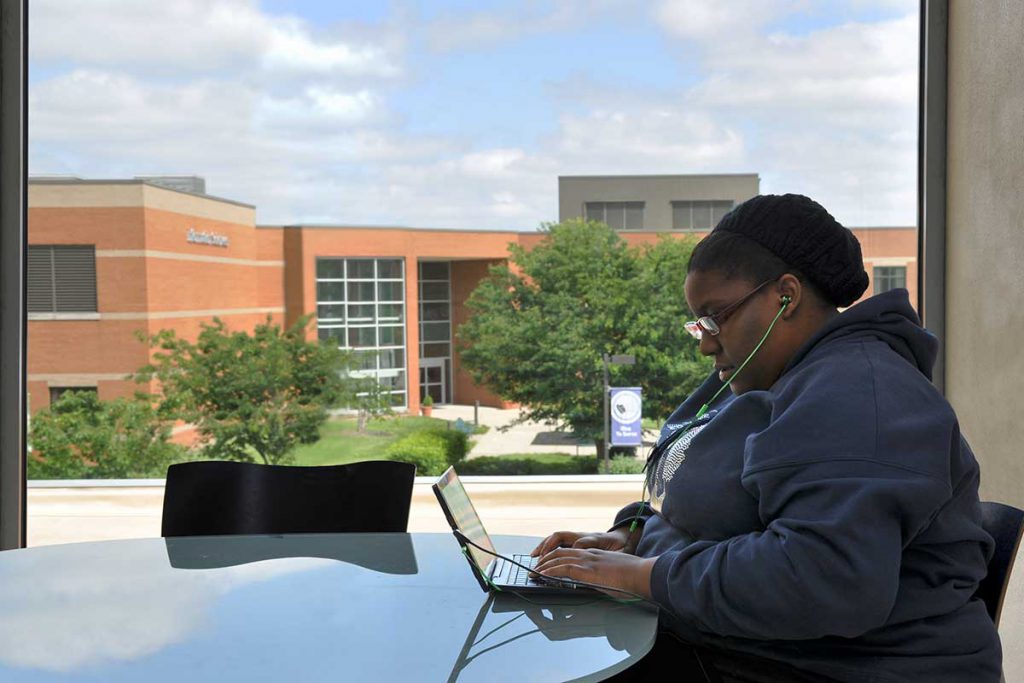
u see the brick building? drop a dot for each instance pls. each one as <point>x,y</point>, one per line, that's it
<point>110,259</point>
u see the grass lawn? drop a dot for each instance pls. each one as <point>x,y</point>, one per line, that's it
<point>340,443</point>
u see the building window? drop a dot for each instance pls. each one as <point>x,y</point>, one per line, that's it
<point>618,215</point>
<point>360,305</point>
<point>57,392</point>
<point>699,215</point>
<point>890,277</point>
<point>435,331</point>
<point>61,278</point>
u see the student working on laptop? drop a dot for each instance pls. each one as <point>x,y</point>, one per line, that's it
<point>811,511</point>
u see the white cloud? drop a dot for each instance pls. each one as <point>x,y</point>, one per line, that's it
<point>454,32</point>
<point>192,36</point>
<point>300,121</point>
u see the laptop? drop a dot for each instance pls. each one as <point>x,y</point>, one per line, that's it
<point>488,569</point>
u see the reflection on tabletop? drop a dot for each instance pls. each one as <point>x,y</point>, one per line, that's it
<point>504,619</point>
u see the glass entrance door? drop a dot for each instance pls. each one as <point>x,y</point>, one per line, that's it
<point>433,379</point>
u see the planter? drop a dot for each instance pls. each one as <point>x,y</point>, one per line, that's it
<point>425,411</point>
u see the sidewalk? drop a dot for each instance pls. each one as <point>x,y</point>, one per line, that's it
<point>515,439</point>
<point>529,506</point>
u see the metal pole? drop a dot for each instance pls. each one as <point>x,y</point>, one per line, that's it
<point>476,413</point>
<point>604,438</point>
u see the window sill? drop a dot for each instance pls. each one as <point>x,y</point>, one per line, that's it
<point>63,316</point>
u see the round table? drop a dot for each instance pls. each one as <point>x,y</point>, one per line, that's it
<point>306,607</point>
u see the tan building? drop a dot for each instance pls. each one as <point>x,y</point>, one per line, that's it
<point>109,260</point>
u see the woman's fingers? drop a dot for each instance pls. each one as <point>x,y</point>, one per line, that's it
<point>555,540</point>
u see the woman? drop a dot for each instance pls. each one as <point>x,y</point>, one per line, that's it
<point>819,518</point>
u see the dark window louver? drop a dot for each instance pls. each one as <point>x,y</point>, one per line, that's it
<point>62,279</point>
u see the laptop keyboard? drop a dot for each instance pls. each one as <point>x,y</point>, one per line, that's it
<point>519,576</point>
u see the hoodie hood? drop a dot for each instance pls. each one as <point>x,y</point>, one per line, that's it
<point>888,317</point>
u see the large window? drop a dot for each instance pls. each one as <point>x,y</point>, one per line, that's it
<point>889,277</point>
<point>435,331</point>
<point>618,215</point>
<point>360,304</point>
<point>61,279</point>
<point>699,215</point>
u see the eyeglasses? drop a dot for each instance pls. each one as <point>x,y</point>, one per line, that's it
<point>712,324</point>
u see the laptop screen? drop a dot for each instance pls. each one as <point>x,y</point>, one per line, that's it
<point>466,519</point>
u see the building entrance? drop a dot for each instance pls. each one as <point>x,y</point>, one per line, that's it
<point>433,379</point>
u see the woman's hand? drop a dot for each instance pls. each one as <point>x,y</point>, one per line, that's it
<point>618,540</point>
<point>605,568</point>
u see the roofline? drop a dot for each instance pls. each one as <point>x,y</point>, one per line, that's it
<point>667,175</point>
<point>133,181</point>
<point>323,226</point>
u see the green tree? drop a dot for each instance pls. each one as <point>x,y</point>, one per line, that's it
<point>251,395</point>
<point>540,324</point>
<point>82,437</point>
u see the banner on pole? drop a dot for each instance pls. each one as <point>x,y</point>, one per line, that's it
<point>625,408</point>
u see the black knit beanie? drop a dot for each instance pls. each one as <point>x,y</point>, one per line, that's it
<point>802,233</point>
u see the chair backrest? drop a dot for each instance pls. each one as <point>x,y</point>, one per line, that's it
<point>220,498</point>
<point>1005,524</point>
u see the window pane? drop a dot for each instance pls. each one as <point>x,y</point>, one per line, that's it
<point>366,360</point>
<point>362,337</point>
<point>615,215</point>
<point>360,313</point>
<point>398,399</point>
<point>360,291</point>
<point>389,312</point>
<point>57,392</point>
<point>594,211</point>
<point>389,269</point>
<point>443,350</point>
<point>434,270</point>
<point>436,332</point>
<point>435,311</point>
<point>393,381</point>
<point>702,216</point>
<point>635,216</point>
<point>40,280</point>
<point>719,209</point>
<point>392,358</point>
<point>74,273</point>
<point>330,291</point>
<point>330,268</point>
<point>681,218</point>
<point>360,269</point>
<point>330,313</point>
<point>434,291</point>
<point>389,291</point>
<point>335,333</point>
<point>392,335</point>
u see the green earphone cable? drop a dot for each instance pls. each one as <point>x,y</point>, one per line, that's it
<point>704,408</point>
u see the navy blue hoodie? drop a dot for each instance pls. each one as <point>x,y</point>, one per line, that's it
<point>832,521</point>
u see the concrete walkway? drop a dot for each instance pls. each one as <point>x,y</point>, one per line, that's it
<point>503,438</point>
<point>529,506</point>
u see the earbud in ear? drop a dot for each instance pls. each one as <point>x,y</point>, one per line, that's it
<point>785,299</point>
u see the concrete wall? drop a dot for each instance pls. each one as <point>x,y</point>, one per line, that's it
<point>657,192</point>
<point>985,243</point>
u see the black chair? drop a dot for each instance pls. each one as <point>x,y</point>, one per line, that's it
<point>1005,524</point>
<point>208,498</point>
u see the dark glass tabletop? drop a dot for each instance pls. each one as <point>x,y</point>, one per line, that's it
<point>389,607</point>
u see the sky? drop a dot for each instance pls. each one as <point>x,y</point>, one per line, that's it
<point>462,114</point>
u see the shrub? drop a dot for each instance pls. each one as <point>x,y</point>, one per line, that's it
<point>456,444</point>
<point>431,450</point>
<point>505,466</point>
<point>625,466</point>
<point>426,450</point>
